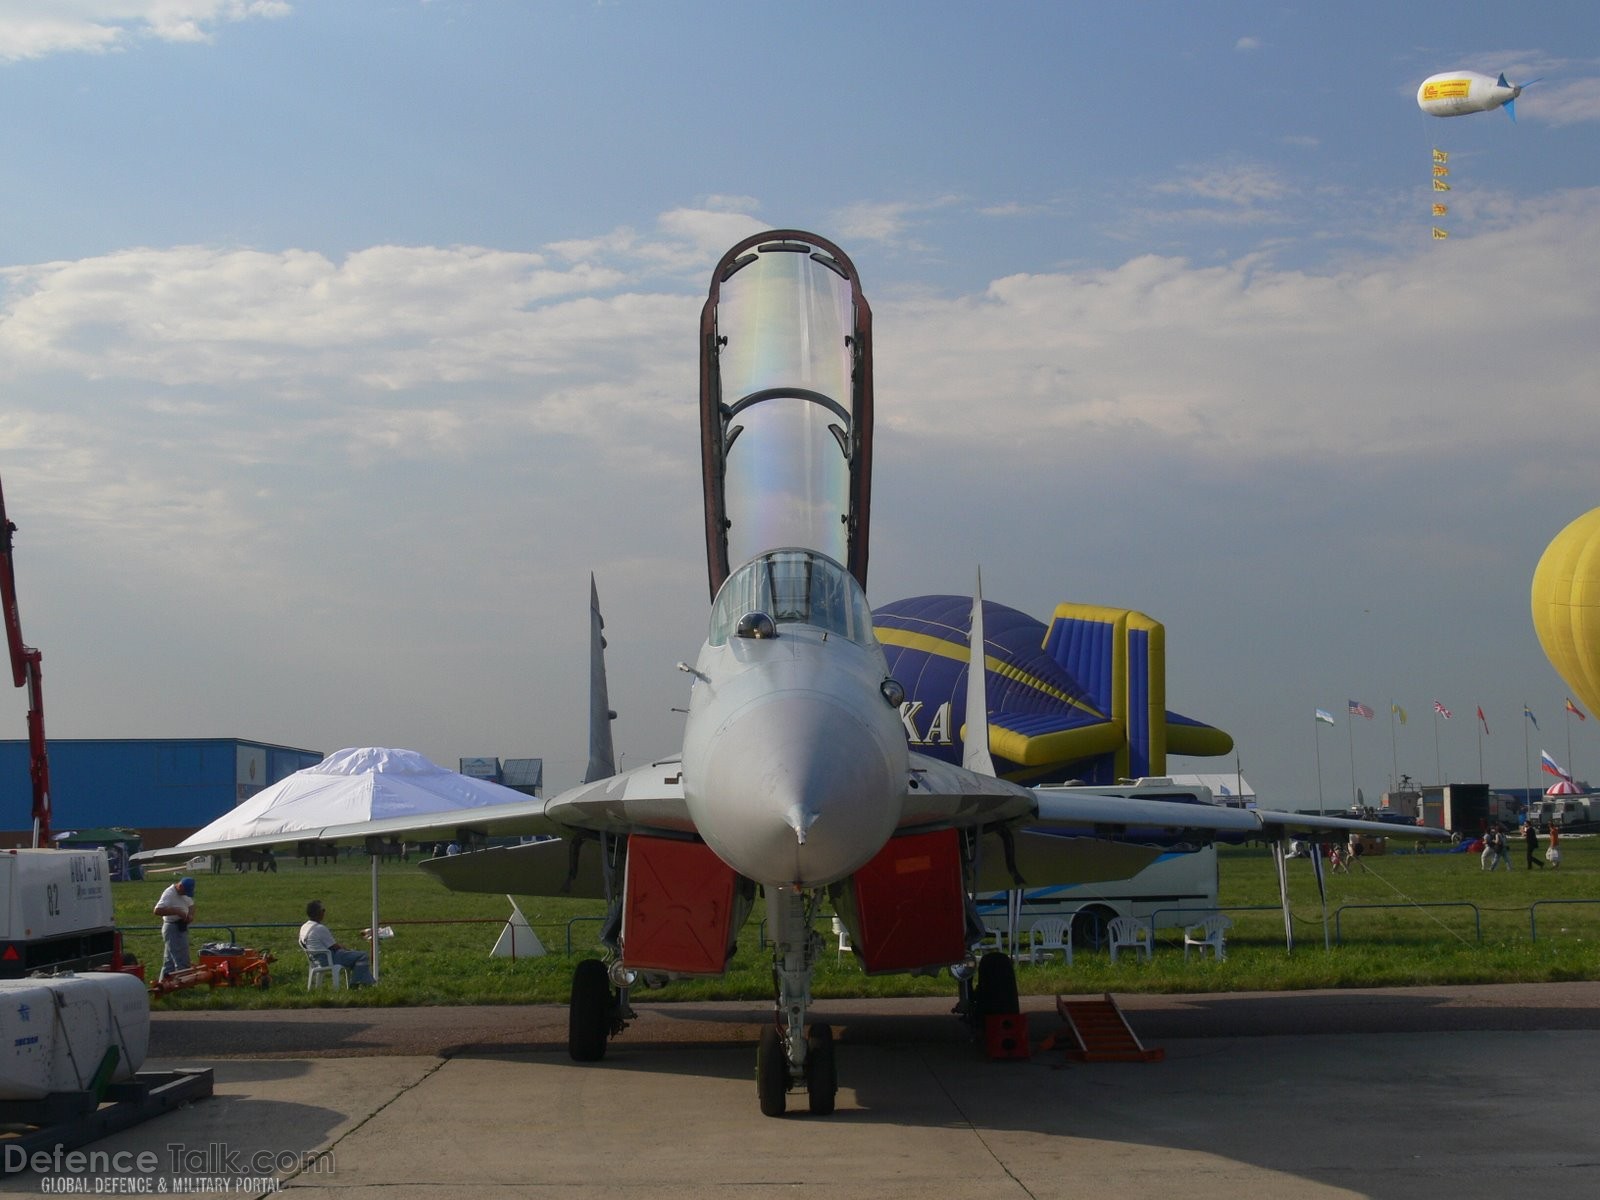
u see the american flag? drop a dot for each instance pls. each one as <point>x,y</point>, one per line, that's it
<point>1358,709</point>
<point>1442,710</point>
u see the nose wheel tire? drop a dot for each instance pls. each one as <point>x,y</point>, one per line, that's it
<point>772,1072</point>
<point>822,1079</point>
<point>589,1011</point>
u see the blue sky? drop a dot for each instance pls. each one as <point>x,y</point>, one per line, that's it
<point>340,342</point>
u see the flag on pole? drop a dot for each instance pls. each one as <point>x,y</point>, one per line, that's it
<point>1440,185</point>
<point>1324,716</point>
<point>1442,710</point>
<point>1575,710</point>
<point>1358,709</point>
<point>1483,719</point>
<point>1528,712</point>
<point>1440,210</point>
<point>1441,171</point>
<point>1439,235</point>
<point>1399,712</point>
<point>1551,767</point>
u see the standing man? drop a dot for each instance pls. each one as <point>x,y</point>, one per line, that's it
<point>318,939</point>
<point>1531,836</point>
<point>176,910</point>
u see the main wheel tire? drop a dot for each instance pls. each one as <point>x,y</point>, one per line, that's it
<point>1090,925</point>
<point>822,1078</point>
<point>589,1011</point>
<point>997,985</point>
<point>772,1072</point>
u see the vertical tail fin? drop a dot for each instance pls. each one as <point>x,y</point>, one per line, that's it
<point>975,738</point>
<point>602,760</point>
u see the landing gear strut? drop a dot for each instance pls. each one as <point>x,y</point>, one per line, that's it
<point>789,1056</point>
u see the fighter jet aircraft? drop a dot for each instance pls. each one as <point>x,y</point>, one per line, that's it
<point>795,779</point>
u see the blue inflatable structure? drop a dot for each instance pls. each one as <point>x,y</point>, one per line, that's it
<point>1083,698</point>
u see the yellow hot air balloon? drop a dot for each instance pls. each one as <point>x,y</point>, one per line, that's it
<point>1566,605</point>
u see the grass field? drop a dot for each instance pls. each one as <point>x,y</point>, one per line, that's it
<point>1481,932</point>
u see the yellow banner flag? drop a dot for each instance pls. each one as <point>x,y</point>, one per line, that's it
<point>1440,185</point>
<point>1439,156</point>
<point>1440,210</point>
<point>1440,171</point>
<point>1439,235</point>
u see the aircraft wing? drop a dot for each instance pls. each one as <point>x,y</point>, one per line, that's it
<point>518,818</point>
<point>637,800</point>
<point>1275,825</point>
<point>557,867</point>
<point>1122,815</point>
<point>940,793</point>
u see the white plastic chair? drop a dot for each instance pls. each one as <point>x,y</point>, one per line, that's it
<point>843,935</point>
<point>1049,934</point>
<point>323,967</point>
<point>1208,934</point>
<point>1128,933</point>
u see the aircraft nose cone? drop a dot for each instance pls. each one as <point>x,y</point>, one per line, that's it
<point>797,790</point>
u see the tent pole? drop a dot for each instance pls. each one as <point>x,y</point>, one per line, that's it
<point>1280,860</point>
<point>375,939</point>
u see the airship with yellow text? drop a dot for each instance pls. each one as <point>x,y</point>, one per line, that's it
<point>1457,93</point>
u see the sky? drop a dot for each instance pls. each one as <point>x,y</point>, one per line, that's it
<point>341,342</point>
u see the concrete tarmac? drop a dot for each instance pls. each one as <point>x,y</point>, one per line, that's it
<point>1394,1093</point>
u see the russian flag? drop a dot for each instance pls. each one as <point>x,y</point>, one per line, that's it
<point>1550,767</point>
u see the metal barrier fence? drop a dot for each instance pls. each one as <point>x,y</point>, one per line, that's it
<point>1190,915</point>
<point>1533,915</point>
<point>233,935</point>
<point>1477,914</point>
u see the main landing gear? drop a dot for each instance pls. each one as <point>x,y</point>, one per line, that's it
<point>992,993</point>
<point>596,1013</point>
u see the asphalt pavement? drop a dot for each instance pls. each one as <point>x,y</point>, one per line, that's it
<point>1392,1093</point>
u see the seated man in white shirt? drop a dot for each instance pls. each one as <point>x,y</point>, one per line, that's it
<point>317,937</point>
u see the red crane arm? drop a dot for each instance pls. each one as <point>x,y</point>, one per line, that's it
<point>25,672</point>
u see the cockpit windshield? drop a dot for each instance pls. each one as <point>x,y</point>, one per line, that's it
<point>793,586</point>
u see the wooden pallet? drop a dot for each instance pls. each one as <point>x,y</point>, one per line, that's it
<point>67,1120</point>
<point>1097,1031</point>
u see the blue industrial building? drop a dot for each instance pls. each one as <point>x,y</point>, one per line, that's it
<point>165,788</point>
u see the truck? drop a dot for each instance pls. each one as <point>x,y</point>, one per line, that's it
<point>55,912</point>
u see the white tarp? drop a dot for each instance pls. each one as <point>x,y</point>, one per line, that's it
<point>517,939</point>
<point>369,783</point>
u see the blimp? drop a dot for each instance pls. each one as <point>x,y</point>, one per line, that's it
<point>1457,93</point>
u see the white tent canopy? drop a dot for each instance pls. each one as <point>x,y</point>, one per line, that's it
<point>348,796</point>
<point>350,787</point>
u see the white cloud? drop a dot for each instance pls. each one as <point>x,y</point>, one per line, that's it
<point>313,458</point>
<point>888,221</point>
<point>39,28</point>
<point>1419,355</point>
<point>1242,184</point>
<point>1564,102</point>
<point>1248,43</point>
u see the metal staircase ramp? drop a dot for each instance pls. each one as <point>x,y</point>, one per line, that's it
<point>1101,1032</point>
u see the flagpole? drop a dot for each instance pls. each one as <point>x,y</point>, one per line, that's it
<point>1527,778</point>
<point>1438,768</point>
<point>1394,750</point>
<point>1480,747</point>
<point>1352,727</point>
<point>1318,724</point>
<point>1571,766</point>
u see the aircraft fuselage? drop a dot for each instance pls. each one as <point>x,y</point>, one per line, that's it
<point>794,759</point>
